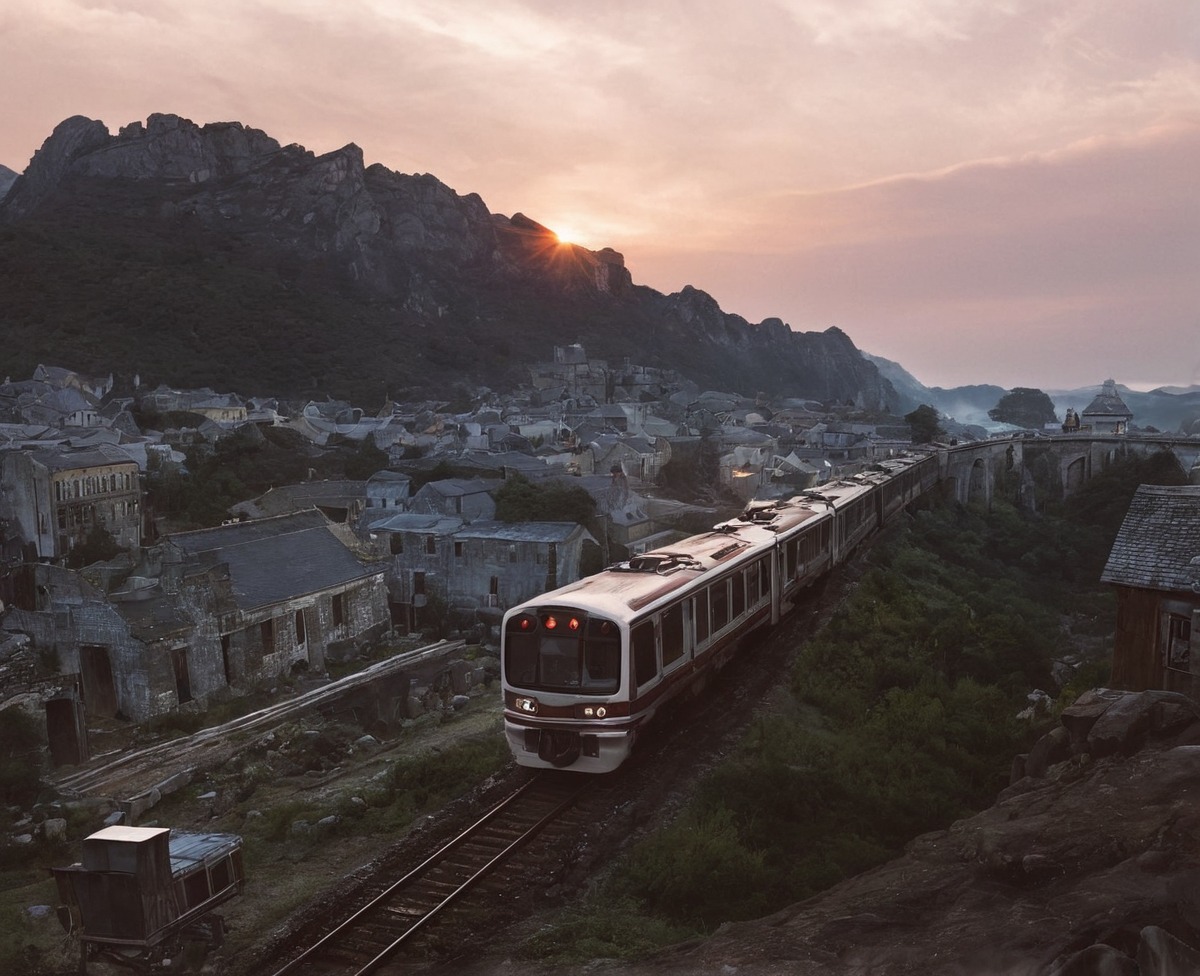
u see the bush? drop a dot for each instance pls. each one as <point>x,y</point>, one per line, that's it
<point>20,757</point>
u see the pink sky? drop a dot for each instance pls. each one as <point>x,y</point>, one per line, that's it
<point>987,191</point>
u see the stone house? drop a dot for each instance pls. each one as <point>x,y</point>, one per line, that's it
<point>476,564</point>
<point>221,408</point>
<point>1107,413</point>
<point>638,456</point>
<point>1154,565</point>
<point>469,498</point>
<point>388,489</point>
<point>207,613</point>
<point>55,407</point>
<point>97,386</point>
<point>340,500</point>
<point>56,496</point>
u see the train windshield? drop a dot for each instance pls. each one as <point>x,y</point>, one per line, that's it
<point>563,650</point>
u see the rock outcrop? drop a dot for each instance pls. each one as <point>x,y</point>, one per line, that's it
<point>7,178</point>
<point>396,254</point>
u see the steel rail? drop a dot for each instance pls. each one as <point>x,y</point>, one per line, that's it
<point>349,924</point>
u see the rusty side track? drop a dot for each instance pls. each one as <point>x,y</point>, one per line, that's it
<point>402,908</point>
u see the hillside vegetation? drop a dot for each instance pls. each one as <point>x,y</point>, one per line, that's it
<point>902,717</point>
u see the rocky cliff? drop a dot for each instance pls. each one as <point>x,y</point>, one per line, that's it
<point>173,241</point>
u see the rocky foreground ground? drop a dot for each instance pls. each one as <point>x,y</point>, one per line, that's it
<point>1087,865</point>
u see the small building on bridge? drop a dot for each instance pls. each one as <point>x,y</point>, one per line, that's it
<point>1155,566</point>
<point>1107,414</point>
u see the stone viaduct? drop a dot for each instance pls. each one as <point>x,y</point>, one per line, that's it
<point>970,472</point>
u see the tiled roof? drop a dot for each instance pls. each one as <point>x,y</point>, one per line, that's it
<point>93,457</point>
<point>1158,540</point>
<point>1108,403</point>
<point>276,559</point>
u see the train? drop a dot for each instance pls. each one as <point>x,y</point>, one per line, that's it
<point>585,668</point>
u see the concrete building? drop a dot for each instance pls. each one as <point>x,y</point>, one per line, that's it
<point>1155,566</point>
<point>57,496</point>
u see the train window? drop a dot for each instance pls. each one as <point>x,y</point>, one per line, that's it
<point>701,615</point>
<point>739,594</point>
<point>559,660</point>
<point>645,660</point>
<point>718,598</point>
<point>521,651</point>
<point>793,553</point>
<point>602,657</point>
<point>752,575</point>
<point>672,634</point>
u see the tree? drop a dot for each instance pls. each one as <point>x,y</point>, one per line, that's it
<point>925,423</point>
<point>98,546</point>
<point>1024,407</point>
<point>520,500</point>
<point>366,460</point>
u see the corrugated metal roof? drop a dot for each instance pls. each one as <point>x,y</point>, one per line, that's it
<point>1158,540</point>
<point>189,849</point>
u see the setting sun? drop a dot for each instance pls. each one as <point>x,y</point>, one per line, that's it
<point>566,235</point>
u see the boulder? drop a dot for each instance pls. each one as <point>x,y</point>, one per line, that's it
<point>1125,723</point>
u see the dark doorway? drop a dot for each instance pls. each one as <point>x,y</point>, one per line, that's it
<point>183,681</point>
<point>95,670</point>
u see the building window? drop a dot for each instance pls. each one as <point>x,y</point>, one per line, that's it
<point>397,542</point>
<point>512,554</point>
<point>339,609</point>
<point>418,584</point>
<point>267,634</point>
<point>458,549</point>
<point>1177,654</point>
<point>430,545</point>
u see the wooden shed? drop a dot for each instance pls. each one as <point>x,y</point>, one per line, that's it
<point>1155,566</point>
<point>140,888</point>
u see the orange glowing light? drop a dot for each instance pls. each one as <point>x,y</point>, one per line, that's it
<point>566,236</point>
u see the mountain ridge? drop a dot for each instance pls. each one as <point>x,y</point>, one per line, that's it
<point>322,275</point>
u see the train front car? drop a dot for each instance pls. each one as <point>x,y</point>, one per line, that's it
<point>585,668</point>
<point>566,693</point>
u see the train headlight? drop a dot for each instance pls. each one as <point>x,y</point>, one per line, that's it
<point>527,705</point>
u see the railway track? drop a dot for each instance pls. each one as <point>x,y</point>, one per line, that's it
<point>401,909</point>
